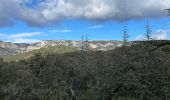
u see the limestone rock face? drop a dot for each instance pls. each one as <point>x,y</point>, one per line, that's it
<point>8,45</point>
<point>95,45</point>
<point>99,45</point>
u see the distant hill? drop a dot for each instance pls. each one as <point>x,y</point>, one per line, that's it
<point>13,55</point>
<point>44,51</point>
<point>17,48</point>
<point>7,51</point>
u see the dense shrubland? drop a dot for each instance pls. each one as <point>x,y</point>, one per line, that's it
<point>137,72</point>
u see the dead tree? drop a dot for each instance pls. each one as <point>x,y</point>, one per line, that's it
<point>83,69</point>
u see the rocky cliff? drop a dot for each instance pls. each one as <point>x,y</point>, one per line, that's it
<point>99,45</point>
<point>95,45</point>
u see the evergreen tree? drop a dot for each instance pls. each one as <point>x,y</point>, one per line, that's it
<point>148,31</point>
<point>85,43</point>
<point>125,35</point>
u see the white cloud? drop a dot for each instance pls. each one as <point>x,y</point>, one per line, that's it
<point>160,34</point>
<point>61,31</point>
<point>96,26</point>
<point>23,40</point>
<point>139,37</point>
<point>47,12</point>
<point>2,35</point>
<point>21,37</point>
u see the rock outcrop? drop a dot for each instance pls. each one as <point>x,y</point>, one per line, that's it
<point>95,45</point>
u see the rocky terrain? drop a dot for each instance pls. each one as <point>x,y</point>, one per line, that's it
<point>13,48</point>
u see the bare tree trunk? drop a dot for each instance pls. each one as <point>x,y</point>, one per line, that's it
<point>73,94</point>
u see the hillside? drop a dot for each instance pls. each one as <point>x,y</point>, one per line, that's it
<point>136,72</point>
<point>12,55</point>
<point>6,51</point>
<point>44,51</point>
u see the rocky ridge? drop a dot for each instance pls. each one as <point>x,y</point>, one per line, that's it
<point>94,45</point>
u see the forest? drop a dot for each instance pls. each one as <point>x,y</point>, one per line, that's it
<point>137,72</point>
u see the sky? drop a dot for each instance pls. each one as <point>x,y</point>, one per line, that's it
<point>30,21</point>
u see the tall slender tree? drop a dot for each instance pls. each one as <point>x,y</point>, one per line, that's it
<point>84,47</point>
<point>85,43</point>
<point>125,35</point>
<point>148,31</point>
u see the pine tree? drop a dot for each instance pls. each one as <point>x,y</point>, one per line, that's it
<point>125,35</point>
<point>85,43</point>
<point>148,31</point>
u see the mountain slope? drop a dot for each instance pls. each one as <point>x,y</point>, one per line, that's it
<point>136,72</point>
<point>7,51</point>
<point>44,51</point>
<point>162,45</point>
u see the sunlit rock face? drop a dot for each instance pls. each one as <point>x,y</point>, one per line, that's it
<point>98,45</point>
<point>93,45</point>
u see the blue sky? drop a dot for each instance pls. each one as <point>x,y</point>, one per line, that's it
<point>99,24</point>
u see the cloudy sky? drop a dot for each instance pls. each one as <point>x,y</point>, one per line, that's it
<point>30,21</point>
